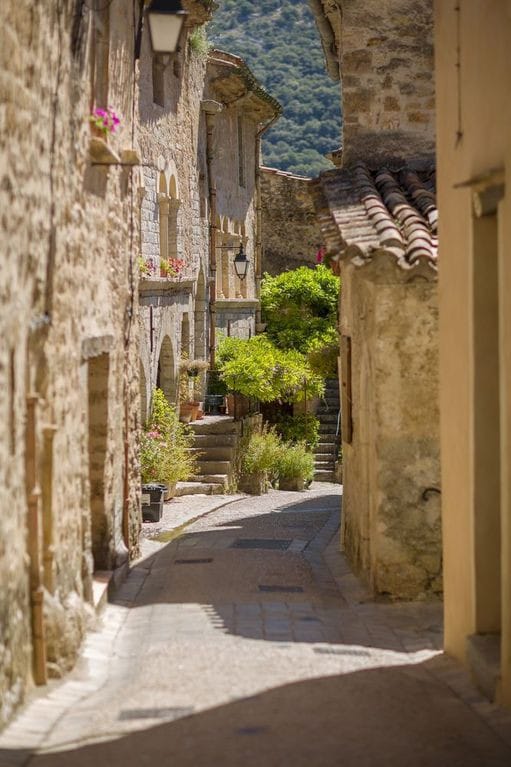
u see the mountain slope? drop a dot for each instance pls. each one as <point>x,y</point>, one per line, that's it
<point>280,43</point>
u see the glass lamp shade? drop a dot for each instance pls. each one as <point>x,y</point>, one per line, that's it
<point>241,264</point>
<point>166,19</point>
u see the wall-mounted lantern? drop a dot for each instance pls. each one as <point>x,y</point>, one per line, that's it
<point>241,263</point>
<point>166,19</point>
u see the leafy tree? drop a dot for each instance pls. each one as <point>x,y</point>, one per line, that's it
<point>259,369</point>
<point>300,307</point>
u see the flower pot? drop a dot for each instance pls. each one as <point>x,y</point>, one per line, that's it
<point>189,408</point>
<point>296,484</point>
<point>152,501</point>
<point>253,484</point>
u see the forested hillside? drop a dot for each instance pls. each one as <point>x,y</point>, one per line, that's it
<point>279,41</point>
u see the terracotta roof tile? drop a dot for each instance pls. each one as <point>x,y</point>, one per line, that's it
<point>383,210</point>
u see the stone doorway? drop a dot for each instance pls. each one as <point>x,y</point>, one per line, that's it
<point>98,414</point>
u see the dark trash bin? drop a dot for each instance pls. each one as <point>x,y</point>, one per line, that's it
<point>152,501</point>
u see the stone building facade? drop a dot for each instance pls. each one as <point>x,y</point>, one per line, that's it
<point>69,361</point>
<point>379,219</point>
<point>384,53</point>
<point>388,312</point>
<point>173,211</point>
<point>199,203</point>
<point>290,230</point>
<point>473,70</point>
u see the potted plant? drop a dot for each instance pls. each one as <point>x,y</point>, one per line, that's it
<point>165,456</point>
<point>189,370</point>
<point>259,461</point>
<point>295,467</point>
<point>103,122</point>
<point>144,267</point>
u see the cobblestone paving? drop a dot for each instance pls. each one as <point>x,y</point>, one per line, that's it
<point>248,641</point>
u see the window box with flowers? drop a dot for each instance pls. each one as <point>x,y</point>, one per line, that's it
<point>170,268</point>
<point>103,123</point>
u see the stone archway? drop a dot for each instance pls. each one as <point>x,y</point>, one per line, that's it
<point>166,375</point>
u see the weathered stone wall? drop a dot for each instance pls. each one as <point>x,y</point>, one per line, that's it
<point>387,70</point>
<point>172,142</point>
<point>290,232</point>
<point>236,318</point>
<point>392,526</point>
<point>68,300</point>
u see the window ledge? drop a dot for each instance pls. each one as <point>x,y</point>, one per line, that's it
<point>101,154</point>
<point>150,284</point>
<point>237,303</point>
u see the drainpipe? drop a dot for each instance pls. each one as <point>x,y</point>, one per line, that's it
<point>34,544</point>
<point>258,251</point>
<point>211,109</point>
<point>47,502</point>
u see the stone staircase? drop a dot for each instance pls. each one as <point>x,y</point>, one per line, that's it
<point>326,451</point>
<point>215,444</point>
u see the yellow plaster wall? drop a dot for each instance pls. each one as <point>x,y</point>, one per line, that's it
<point>473,137</point>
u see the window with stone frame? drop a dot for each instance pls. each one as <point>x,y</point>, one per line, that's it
<point>100,54</point>
<point>158,78</point>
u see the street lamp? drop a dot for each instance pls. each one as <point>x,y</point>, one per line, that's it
<point>241,263</point>
<point>166,19</point>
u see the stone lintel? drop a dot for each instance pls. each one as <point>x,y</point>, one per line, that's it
<point>96,345</point>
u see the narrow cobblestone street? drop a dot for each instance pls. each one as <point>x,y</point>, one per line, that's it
<point>246,640</point>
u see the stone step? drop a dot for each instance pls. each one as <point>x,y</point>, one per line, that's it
<point>324,465</point>
<point>218,453</point>
<point>327,409</point>
<point>208,468</point>
<point>328,450</point>
<point>324,457</point>
<point>215,425</point>
<point>327,429</point>
<point>324,476</point>
<point>330,417</point>
<point>215,440</point>
<point>199,488</point>
<point>212,479</point>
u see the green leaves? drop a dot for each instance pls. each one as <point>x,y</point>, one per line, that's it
<point>165,444</point>
<point>259,369</point>
<point>300,309</point>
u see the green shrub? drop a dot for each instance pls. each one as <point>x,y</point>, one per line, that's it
<point>300,307</point>
<point>295,462</point>
<point>263,454</point>
<point>259,369</point>
<point>198,42</point>
<point>299,428</point>
<point>165,454</point>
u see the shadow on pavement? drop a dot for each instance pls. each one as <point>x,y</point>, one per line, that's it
<point>263,577</point>
<point>399,716</point>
